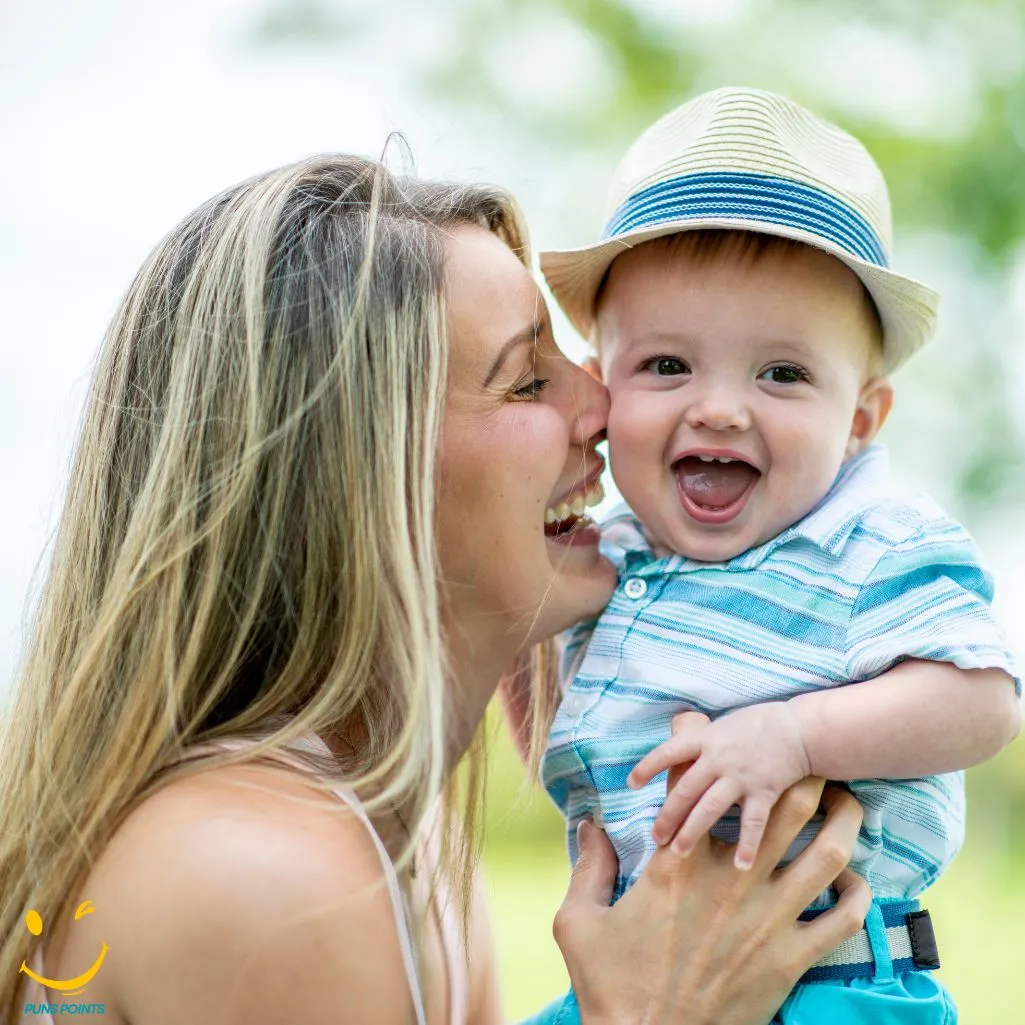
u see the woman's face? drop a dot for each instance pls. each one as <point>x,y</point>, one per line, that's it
<point>519,434</point>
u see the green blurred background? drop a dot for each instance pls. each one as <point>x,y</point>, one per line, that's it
<point>122,116</point>
<point>936,90</point>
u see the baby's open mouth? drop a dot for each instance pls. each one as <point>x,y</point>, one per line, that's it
<point>714,482</point>
<point>569,515</point>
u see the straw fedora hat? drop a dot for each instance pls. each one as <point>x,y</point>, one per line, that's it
<point>751,160</point>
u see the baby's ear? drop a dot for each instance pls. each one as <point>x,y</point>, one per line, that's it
<point>592,367</point>
<point>874,405</point>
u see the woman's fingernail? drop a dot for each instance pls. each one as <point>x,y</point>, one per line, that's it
<point>584,828</point>
<point>680,850</point>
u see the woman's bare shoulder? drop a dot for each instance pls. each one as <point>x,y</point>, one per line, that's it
<point>245,894</point>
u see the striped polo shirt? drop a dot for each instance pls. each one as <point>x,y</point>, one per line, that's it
<point>861,583</point>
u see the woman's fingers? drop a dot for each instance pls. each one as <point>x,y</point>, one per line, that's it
<point>827,931</point>
<point>594,874</point>
<point>794,808</point>
<point>822,861</point>
<point>714,803</point>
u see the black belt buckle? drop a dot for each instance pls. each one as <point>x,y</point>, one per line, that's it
<point>924,951</point>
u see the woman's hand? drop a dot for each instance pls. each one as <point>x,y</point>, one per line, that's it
<point>698,942</point>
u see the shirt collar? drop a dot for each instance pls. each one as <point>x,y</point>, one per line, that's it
<point>860,482</point>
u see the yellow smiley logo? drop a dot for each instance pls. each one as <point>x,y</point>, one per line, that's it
<point>34,924</point>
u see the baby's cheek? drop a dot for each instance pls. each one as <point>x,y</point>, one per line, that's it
<point>632,429</point>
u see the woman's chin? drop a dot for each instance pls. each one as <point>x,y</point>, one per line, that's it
<point>583,584</point>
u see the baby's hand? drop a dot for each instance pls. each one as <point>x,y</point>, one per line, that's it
<point>748,757</point>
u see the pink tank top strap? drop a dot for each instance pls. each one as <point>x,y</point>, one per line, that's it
<point>311,742</point>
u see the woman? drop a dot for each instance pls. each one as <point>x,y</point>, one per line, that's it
<point>303,539</point>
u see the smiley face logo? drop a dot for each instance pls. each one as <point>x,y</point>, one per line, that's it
<point>34,924</point>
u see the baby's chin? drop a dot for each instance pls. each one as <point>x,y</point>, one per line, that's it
<point>712,552</point>
<point>702,544</point>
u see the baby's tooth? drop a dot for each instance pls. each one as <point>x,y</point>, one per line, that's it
<point>707,459</point>
<point>578,506</point>
<point>550,516</point>
<point>562,511</point>
<point>725,459</point>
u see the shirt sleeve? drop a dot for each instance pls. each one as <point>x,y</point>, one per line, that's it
<point>927,597</point>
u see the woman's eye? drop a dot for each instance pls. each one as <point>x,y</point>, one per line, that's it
<point>785,375</point>
<point>667,366</point>
<point>532,390</point>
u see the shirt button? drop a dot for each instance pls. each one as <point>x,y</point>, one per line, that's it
<point>635,588</point>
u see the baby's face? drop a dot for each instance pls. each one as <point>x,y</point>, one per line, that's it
<point>738,389</point>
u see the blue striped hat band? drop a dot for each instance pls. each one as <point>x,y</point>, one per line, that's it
<point>750,197</point>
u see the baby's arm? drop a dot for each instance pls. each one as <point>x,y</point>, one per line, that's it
<point>920,718</point>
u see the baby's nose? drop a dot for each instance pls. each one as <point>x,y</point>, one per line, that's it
<point>718,409</point>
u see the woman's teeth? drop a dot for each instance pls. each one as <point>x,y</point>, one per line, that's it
<point>564,510</point>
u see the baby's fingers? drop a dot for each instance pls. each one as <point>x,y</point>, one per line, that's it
<point>682,747</point>
<point>753,818</point>
<point>716,801</point>
<point>681,800</point>
<point>675,751</point>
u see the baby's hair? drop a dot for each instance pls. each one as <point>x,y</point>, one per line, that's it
<point>708,245</point>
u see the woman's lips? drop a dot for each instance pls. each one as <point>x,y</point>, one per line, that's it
<point>564,516</point>
<point>584,531</point>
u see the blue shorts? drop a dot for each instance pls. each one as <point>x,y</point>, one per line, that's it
<point>910,998</point>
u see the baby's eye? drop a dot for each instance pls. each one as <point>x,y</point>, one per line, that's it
<point>784,374</point>
<point>666,366</point>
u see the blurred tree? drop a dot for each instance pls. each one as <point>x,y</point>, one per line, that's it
<point>935,89</point>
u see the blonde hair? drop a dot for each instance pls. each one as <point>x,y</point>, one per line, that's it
<point>247,544</point>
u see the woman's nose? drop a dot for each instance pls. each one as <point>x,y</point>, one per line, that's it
<point>717,408</point>
<point>590,405</point>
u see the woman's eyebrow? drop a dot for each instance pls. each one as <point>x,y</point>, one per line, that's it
<point>528,334</point>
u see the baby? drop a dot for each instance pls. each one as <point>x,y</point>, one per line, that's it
<point>744,320</point>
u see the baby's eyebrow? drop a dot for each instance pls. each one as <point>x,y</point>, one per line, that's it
<point>661,338</point>
<point>790,346</point>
